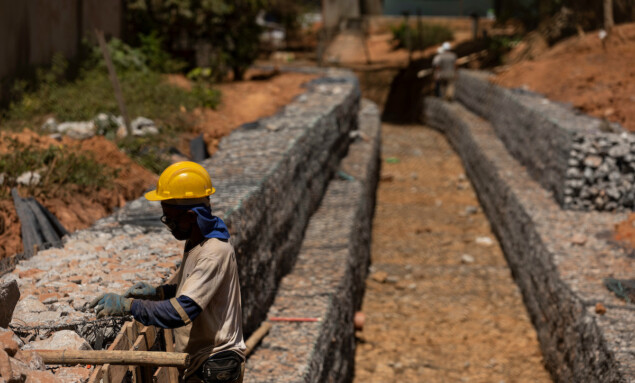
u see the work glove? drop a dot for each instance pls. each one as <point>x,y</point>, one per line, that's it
<point>111,304</point>
<point>142,290</point>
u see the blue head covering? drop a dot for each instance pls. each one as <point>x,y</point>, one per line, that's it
<point>210,225</point>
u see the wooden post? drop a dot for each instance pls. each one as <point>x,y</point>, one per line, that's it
<point>255,338</point>
<point>115,357</point>
<point>173,372</point>
<point>608,16</point>
<point>114,80</point>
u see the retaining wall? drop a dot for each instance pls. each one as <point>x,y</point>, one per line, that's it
<point>558,257</point>
<point>270,176</point>
<point>588,163</point>
<point>328,279</point>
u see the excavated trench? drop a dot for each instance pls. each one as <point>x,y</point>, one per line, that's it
<point>297,192</point>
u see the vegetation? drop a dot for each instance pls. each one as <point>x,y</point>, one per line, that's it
<point>227,29</point>
<point>406,36</point>
<point>144,89</point>
<point>58,167</point>
<point>585,14</point>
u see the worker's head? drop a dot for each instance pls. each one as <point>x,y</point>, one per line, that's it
<point>184,189</point>
<point>446,46</point>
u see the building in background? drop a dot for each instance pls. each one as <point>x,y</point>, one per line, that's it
<point>32,31</point>
<point>439,7</point>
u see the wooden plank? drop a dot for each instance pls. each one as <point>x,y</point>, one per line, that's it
<point>115,374</point>
<point>144,342</point>
<point>132,333</point>
<point>107,376</point>
<point>161,376</point>
<point>97,375</point>
<point>146,339</point>
<point>173,372</point>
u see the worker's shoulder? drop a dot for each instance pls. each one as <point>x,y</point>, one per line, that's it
<point>215,247</point>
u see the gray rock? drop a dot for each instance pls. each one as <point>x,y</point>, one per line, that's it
<point>619,150</point>
<point>9,297</point>
<point>29,178</point>
<point>60,340</point>
<point>593,161</point>
<point>78,130</point>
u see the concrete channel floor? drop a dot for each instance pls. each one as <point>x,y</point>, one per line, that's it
<point>440,303</point>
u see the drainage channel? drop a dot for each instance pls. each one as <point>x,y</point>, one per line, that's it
<point>441,304</point>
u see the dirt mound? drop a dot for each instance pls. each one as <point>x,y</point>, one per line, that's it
<point>242,102</point>
<point>597,78</point>
<point>75,208</point>
<point>625,231</point>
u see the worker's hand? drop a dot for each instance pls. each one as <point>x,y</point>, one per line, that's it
<point>141,290</point>
<point>111,305</point>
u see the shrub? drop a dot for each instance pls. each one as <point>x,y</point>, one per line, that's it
<point>431,34</point>
<point>57,167</point>
<point>229,26</point>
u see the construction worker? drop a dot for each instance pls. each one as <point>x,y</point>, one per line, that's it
<point>203,306</point>
<point>444,65</point>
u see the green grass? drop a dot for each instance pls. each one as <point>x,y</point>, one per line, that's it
<point>431,34</point>
<point>145,94</point>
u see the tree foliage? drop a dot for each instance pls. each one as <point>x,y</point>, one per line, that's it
<point>587,14</point>
<point>228,26</point>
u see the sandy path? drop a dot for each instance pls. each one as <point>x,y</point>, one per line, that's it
<point>440,306</point>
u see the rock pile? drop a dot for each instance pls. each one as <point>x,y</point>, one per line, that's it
<point>587,163</point>
<point>601,172</point>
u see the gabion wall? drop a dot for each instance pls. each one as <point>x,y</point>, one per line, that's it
<point>586,162</point>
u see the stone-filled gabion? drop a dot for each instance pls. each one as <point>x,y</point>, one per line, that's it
<point>328,279</point>
<point>270,177</point>
<point>558,257</point>
<point>586,162</point>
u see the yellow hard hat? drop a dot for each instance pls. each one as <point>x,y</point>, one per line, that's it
<point>182,180</point>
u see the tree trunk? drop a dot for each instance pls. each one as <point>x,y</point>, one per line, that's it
<point>372,7</point>
<point>608,15</point>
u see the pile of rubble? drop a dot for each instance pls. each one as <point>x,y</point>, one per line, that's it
<point>103,124</point>
<point>18,362</point>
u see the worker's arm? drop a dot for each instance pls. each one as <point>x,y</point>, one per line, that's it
<point>142,290</point>
<point>169,313</point>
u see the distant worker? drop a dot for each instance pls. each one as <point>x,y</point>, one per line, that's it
<point>203,306</point>
<point>444,66</point>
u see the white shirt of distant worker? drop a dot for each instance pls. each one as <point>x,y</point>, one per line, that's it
<point>203,306</point>
<point>444,64</point>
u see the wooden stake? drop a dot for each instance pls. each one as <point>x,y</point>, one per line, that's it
<point>114,80</point>
<point>255,338</point>
<point>129,358</point>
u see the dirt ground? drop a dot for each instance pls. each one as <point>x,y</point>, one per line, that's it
<point>440,304</point>
<point>598,79</point>
<point>242,102</point>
